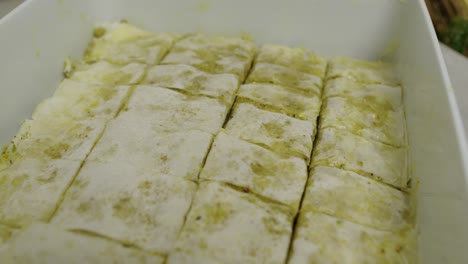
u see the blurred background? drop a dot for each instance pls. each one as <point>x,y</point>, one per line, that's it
<point>450,19</point>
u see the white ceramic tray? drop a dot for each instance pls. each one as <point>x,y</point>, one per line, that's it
<point>37,36</point>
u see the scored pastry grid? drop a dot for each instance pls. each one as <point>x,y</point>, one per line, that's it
<point>380,214</point>
<point>134,110</point>
<point>363,110</point>
<point>253,102</point>
<point>225,160</point>
<point>129,108</point>
<point>108,75</point>
<point>45,243</point>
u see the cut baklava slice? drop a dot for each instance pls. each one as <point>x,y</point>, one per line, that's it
<point>105,73</point>
<point>362,71</point>
<point>31,189</point>
<point>298,59</point>
<point>278,132</point>
<point>128,203</point>
<point>282,75</point>
<point>68,124</point>
<point>230,226</point>
<point>194,81</point>
<point>344,150</point>
<point>78,101</point>
<point>121,43</point>
<point>48,139</point>
<point>388,96</point>
<point>365,118</point>
<point>131,140</point>
<point>350,196</point>
<point>280,99</point>
<point>43,243</point>
<point>213,54</point>
<point>255,169</point>
<point>321,238</point>
<point>174,111</point>
<point>237,45</point>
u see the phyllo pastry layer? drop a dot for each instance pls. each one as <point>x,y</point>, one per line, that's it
<point>321,238</point>
<point>350,196</point>
<point>388,96</point>
<point>362,71</point>
<point>190,79</point>
<point>298,59</point>
<point>174,111</point>
<point>365,118</point>
<point>282,75</point>
<point>42,243</point>
<point>255,169</point>
<point>277,132</point>
<point>230,226</point>
<point>127,203</point>
<point>104,73</point>
<point>213,54</point>
<point>344,150</point>
<point>280,99</point>
<point>122,43</point>
<point>133,141</point>
<point>31,189</point>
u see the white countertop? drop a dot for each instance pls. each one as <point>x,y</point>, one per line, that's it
<point>457,66</point>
